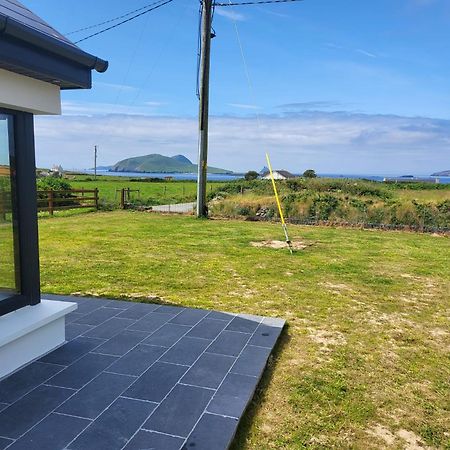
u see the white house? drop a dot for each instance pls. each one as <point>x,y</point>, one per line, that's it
<point>36,63</point>
<point>278,175</point>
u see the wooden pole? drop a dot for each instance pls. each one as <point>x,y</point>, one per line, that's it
<point>205,56</point>
<point>95,162</point>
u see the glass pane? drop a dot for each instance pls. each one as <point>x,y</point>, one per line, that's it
<point>8,284</point>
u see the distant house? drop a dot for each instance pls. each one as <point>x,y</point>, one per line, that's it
<point>278,175</point>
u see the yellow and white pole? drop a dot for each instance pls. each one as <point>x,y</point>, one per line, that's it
<point>277,198</point>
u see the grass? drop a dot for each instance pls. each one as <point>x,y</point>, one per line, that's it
<point>156,193</point>
<point>364,360</point>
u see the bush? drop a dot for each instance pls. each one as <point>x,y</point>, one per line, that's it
<point>251,175</point>
<point>53,184</point>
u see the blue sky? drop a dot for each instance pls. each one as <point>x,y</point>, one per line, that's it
<point>342,87</point>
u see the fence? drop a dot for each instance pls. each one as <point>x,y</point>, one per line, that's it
<point>49,200</point>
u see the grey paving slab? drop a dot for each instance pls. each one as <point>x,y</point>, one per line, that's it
<point>23,381</point>
<point>73,330</point>
<point>189,317</point>
<point>138,360</point>
<point>265,336</point>
<point>53,433</point>
<point>82,371</point>
<point>229,343</point>
<point>156,382</point>
<point>90,401</point>
<point>209,370</point>
<point>121,343</point>
<point>180,411</point>
<point>186,351</point>
<point>110,328</point>
<point>207,329</point>
<point>138,376</point>
<point>5,442</point>
<point>115,427</point>
<point>167,335</point>
<point>252,361</point>
<point>98,316</point>
<point>73,350</point>
<point>233,395</point>
<point>244,325</point>
<point>151,440</point>
<point>212,433</point>
<point>22,415</point>
<point>137,311</point>
<point>151,322</point>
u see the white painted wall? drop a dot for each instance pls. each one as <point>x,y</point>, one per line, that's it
<point>276,176</point>
<point>27,94</point>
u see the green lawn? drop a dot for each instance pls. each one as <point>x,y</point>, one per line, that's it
<point>364,361</point>
<point>156,193</point>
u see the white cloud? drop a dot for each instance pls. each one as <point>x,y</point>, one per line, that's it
<point>328,142</point>
<point>243,106</point>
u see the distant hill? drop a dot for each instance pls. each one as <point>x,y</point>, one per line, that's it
<point>163,164</point>
<point>444,173</point>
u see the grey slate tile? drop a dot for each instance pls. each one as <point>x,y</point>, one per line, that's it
<point>243,325</point>
<point>18,384</point>
<point>138,360</point>
<point>30,409</point>
<point>156,383</point>
<point>72,317</point>
<point>98,316</point>
<point>151,322</point>
<point>93,398</point>
<point>3,406</point>
<point>265,336</point>
<point>207,329</point>
<point>167,335</point>
<point>229,343</point>
<point>71,351</point>
<point>252,361</point>
<point>209,370</point>
<point>218,315</point>
<point>82,371</point>
<point>121,343</point>
<point>53,433</point>
<point>87,306</point>
<point>169,309</point>
<point>73,330</point>
<point>5,442</point>
<point>179,412</point>
<point>120,304</point>
<point>110,328</point>
<point>232,397</point>
<point>150,440</point>
<point>137,311</point>
<point>115,426</point>
<point>189,317</point>
<point>186,351</point>
<point>212,433</point>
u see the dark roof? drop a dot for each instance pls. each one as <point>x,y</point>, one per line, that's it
<point>30,46</point>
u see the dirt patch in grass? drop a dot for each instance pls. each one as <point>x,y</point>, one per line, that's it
<point>326,339</point>
<point>296,245</point>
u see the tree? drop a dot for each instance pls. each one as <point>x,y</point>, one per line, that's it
<point>251,175</point>
<point>310,173</point>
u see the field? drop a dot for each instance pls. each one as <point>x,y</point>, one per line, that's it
<point>364,360</point>
<point>152,193</point>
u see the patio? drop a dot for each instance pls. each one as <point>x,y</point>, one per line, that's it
<point>138,376</point>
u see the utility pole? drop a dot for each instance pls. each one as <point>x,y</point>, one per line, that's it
<point>207,6</point>
<point>95,162</point>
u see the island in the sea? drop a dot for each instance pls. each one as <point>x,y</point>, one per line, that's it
<point>156,163</point>
<point>444,173</point>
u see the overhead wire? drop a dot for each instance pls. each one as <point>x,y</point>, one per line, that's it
<point>124,21</point>
<point>90,27</point>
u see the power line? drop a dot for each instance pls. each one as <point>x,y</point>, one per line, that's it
<point>124,21</point>
<point>257,2</point>
<point>112,20</point>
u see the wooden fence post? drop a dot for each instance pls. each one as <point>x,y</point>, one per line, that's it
<point>122,198</point>
<point>96,198</point>
<point>50,202</point>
